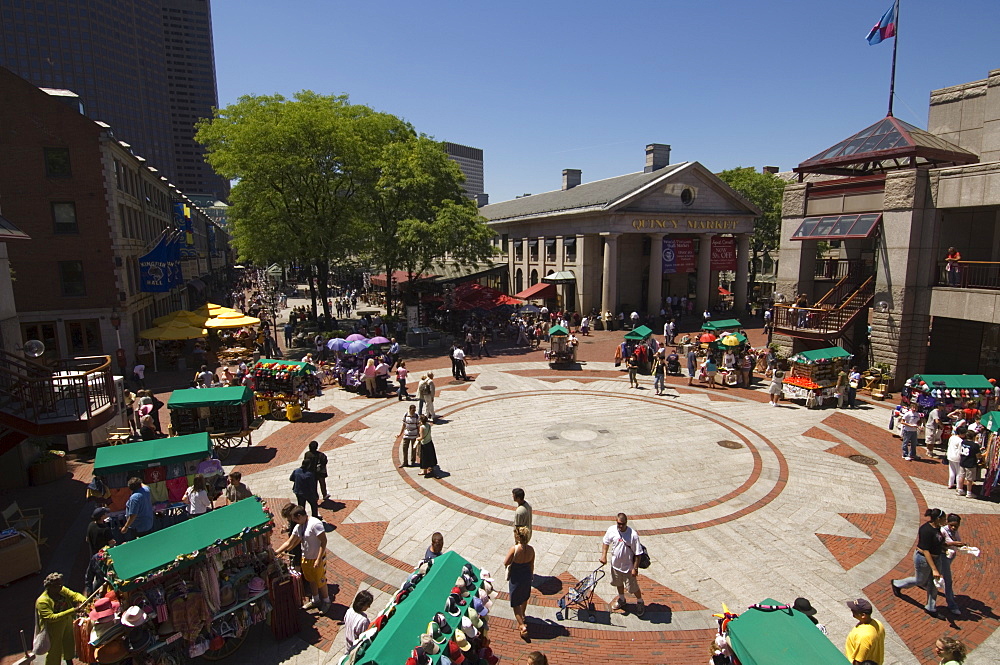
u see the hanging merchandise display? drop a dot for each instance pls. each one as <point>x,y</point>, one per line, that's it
<point>193,589</point>
<point>227,414</point>
<point>439,612</point>
<point>991,444</point>
<point>283,388</point>
<point>971,394</point>
<point>814,375</point>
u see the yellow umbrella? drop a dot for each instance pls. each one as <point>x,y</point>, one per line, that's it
<point>730,340</point>
<point>211,309</point>
<point>231,320</point>
<point>183,316</point>
<point>173,330</point>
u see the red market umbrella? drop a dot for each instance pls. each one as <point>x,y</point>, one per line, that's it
<point>707,337</point>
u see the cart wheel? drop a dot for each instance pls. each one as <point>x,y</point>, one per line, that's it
<point>228,649</point>
<point>278,409</point>
<point>221,450</point>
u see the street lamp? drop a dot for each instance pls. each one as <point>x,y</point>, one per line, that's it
<point>116,321</point>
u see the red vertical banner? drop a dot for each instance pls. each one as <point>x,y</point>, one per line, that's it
<point>723,253</point>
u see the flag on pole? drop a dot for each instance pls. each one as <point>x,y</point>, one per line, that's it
<point>885,28</point>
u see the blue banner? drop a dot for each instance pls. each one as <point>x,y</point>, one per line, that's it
<point>155,269</point>
<point>173,253</point>
<point>669,257</point>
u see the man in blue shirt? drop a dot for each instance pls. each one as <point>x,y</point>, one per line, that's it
<point>138,510</point>
<point>304,486</point>
<point>394,353</point>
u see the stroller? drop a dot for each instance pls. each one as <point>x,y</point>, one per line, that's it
<point>580,596</point>
<point>673,365</point>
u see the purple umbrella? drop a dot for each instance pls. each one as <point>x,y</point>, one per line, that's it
<point>356,337</point>
<point>357,346</point>
<point>337,344</point>
<point>379,340</point>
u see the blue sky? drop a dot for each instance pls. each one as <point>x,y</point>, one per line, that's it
<point>547,85</point>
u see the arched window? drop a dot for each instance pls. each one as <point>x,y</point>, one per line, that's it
<point>533,279</point>
<point>518,281</point>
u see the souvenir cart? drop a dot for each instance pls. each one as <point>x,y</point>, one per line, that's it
<point>560,351</point>
<point>283,388</point>
<point>193,589</point>
<point>227,414</point>
<point>770,633</point>
<point>440,610</point>
<point>164,465</point>
<point>991,444</point>
<point>730,341</point>
<point>636,338</point>
<point>717,328</point>
<point>813,375</point>
<point>948,392</point>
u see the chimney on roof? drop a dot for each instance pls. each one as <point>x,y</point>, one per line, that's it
<point>770,169</point>
<point>571,178</point>
<point>482,200</point>
<point>657,156</point>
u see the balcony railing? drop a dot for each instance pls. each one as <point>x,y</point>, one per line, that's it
<point>74,389</point>
<point>823,321</point>
<point>970,275</point>
<point>840,268</point>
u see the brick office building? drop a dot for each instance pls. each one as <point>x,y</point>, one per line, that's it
<point>92,208</point>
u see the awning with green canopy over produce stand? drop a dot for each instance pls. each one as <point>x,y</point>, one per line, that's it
<point>294,366</point>
<point>191,398</point>
<point>157,452</point>
<point>724,324</point>
<point>181,545</point>
<point>557,330</point>
<point>820,355</point>
<point>638,334</point>
<point>780,637</point>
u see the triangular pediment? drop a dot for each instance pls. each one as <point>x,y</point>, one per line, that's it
<point>691,190</point>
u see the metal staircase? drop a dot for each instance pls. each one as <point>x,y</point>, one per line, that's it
<point>833,314</point>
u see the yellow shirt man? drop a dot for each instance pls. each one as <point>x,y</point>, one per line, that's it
<point>866,641</point>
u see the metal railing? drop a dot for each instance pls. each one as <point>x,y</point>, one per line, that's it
<point>75,388</point>
<point>841,268</point>
<point>824,320</point>
<point>970,275</point>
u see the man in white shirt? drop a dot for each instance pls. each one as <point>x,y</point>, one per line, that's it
<point>933,430</point>
<point>311,534</point>
<point>139,372</point>
<point>355,619</point>
<point>625,551</point>
<point>459,356</point>
<point>909,422</point>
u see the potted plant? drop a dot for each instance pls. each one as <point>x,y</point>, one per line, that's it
<point>49,467</point>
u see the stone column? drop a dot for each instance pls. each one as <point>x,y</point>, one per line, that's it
<point>609,292</point>
<point>742,273</point>
<point>655,294</point>
<point>704,273</point>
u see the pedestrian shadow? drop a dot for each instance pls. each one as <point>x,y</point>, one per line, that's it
<point>317,416</point>
<point>544,629</point>
<point>657,613</point>
<point>547,585</point>
<point>974,609</point>
<point>252,455</point>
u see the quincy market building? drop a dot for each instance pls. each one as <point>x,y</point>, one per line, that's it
<point>628,242</point>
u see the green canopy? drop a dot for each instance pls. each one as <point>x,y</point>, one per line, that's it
<point>557,330</point>
<point>820,354</point>
<point>724,324</point>
<point>960,381</point>
<point>190,398</point>
<point>638,334</point>
<point>781,637</point>
<point>158,550</point>
<point>401,634</point>
<point>991,421</point>
<point>299,368</point>
<point>157,452</point>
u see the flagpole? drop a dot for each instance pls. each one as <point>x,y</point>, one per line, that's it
<point>892,75</point>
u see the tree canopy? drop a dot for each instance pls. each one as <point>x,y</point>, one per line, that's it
<point>765,190</point>
<point>320,179</point>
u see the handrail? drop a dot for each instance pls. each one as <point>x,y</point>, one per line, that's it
<point>838,268</point>
<point>84,387</point>
<point>839,286</point>
<point>970,275</point>
<point>821,320</point>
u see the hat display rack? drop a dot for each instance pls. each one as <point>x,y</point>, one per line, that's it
<point>439,616</point>
<point>991,443</point>
<point>217,591</point>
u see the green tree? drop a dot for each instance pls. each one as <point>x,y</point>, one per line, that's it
<point>417,213</point>
<point>764,190</point>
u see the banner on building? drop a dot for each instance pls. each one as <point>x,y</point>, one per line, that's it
<point>155,270</point>
<point>723,253</point>
<point>678,255</point>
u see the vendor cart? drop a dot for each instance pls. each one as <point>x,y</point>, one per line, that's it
<point>813,375</point>
<point>561,351</point>
<point>722,326</point>
<point>283,388</point>
<point>193,589</point>
<point>227,414</point>
<point>770,633</point>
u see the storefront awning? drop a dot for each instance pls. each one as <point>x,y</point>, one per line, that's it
<point>837,227</point>
<point>538,291</point>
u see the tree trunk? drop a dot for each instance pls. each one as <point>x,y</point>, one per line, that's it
<point>388,291</point>
<point>312,289</point>
<point>323,280</point>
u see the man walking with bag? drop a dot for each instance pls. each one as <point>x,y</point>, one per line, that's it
<point>625,554</point>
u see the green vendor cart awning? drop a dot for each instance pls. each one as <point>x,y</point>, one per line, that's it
<point>781,637</point>
<point>557,330</point>
<point>395,642</point>
<point>960,381</point>
<point>991,421</point>
<point>150,553</point>
<point>194,397</point>
<point>295,366</point>
<point>158,452</point>
<point>724,324</point>
<point>821,354</point>
<point>638,334</point>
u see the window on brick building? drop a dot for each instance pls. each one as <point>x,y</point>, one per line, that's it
<point>71,280</point>
<point>64,218</point>
<point>57,163</point>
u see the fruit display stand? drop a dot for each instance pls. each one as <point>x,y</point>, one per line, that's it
<point>216,569</point>
<point>397,631</point>
<point>227,414</point>
<point>814,374</point>
<point>283,387</point>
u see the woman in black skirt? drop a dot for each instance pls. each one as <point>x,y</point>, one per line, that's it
<point>520,563</point>
<point>428,457</point>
